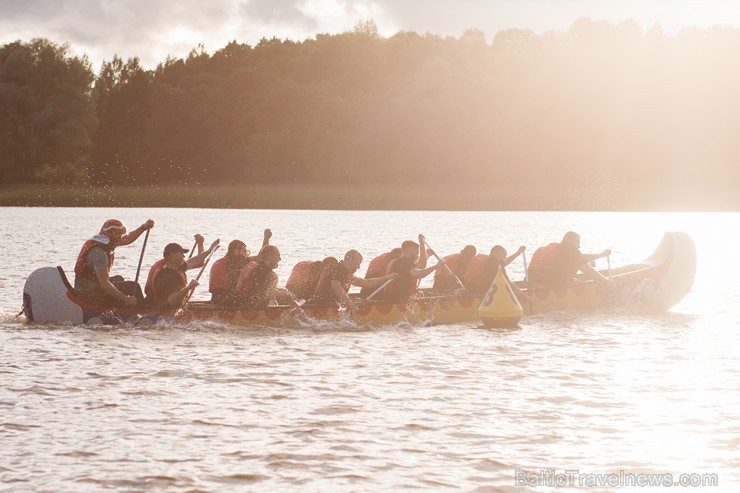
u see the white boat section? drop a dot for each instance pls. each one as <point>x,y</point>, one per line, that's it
<point>45,298</point>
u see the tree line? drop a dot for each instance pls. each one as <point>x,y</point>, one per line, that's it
<point>598,105</point>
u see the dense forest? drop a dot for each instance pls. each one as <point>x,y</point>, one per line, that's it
<point>601,106</point>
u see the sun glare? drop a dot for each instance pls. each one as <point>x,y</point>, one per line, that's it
<point>183,36</point>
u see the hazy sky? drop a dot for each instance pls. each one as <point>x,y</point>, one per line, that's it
<point>152,29</point>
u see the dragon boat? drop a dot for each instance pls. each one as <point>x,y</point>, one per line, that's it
<point>655,284</point>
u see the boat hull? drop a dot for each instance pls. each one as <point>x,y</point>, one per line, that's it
<point>656,284</point>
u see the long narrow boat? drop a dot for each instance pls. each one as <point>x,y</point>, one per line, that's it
<point>656,284</point>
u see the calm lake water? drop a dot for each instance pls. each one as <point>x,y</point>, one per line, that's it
<point>209,407</point>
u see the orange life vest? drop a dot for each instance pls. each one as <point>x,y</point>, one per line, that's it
<point>219,277</point>
<point>246,279</point>
<point>476,277</point>
<point>304,279</point>
<point>225,276</point>
<point>323,289</point>
<point>543,261</point>
<point>378,266</point>
<point>148,290</point>
<point>85,270</point>
<point>451,261</point>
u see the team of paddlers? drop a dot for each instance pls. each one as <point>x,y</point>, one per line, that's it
<point>240,280</point>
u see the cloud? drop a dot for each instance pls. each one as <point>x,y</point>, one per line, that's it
<point>277,12</point>
<point>150,29</point>
<point>153,29</point>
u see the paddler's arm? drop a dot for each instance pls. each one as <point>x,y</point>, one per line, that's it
<point>198,260</point>
<point>421,273</point>
<point>131,237</point>
<point>266,237</point>
<point>373,282</point>
<point>177,297</point>
<point>511,257</point>
<point>590,257</point>
<point>108,288</point>
<point>341,295</point>
<point>593,274</point>
<point>199,240</point>
<point>422,262</point>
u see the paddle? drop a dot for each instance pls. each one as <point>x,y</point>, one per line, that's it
<point>197,278</point>
<point>386,283</point>
<point>141,257</point>
<point>609,264</point>
<point>192,250</point>
<point>297,306</point>
<point>431,250</point>
<point>524,259</point>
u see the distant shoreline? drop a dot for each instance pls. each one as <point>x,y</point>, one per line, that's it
<point>367,197</point>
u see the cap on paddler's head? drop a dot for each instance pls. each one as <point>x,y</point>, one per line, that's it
<point>174,247</point>
<point>111,230</point>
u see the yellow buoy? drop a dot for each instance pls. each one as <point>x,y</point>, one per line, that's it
<point>499,307</point>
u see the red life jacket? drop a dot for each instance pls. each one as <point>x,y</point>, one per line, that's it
<point>378,266</point>
<point>150,277</point>
<point>304,279</point>
<point>85,270</point>
<point>246,279</point>
<point>323,289</point>
<point>219,277</point>
<point>159,297</point>
<point>479,276</point>
<point>256,286</point>
<point>543,261</point>
<point>225,274</point>
<point>451,261</point>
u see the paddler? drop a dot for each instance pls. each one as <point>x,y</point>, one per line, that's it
<point>170,286</point>
<point>378,267</point>
<point>225,271</point>
<point>558,263</point>
<point>92,270</point>
<point>482,269</point>
<point>444,280</point>
<point>257,286</point>
<point>335,281</point>
<point>148,287</point>
<point>411,268</point>
<point>305,276</point>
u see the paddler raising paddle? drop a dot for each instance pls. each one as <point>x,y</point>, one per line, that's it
<point>410,268</point>
<point>170,286</point>
<point>92,270</point>
<point>258,283</point>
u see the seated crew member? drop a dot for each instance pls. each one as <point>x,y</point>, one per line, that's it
<point>411,268</point>
<point>558,263</point>
<point>170,286</point>
<point>335,281</point>
<point>482,269</point>
<point>160,263</point>
<point>304,278</point>
<point>378,267</point>
<point>225,271</point>
<point>444,281</point>
<point>482,272</point>
<point>92,270</point>
<point>257,286</point>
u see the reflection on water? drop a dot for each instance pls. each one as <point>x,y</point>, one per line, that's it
<point>317,407</point>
